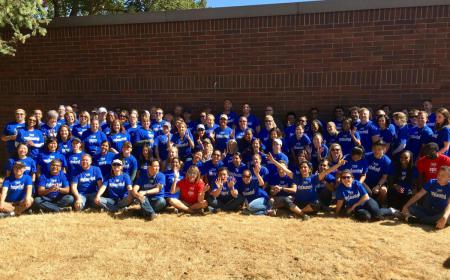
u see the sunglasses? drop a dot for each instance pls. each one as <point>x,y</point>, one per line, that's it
<point>346,177</point>
<point>247,176</point>
<point>57,165</point>
<point>117,164</point>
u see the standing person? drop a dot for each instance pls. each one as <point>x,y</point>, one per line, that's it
<point>50,128</point>
<point>319,150</point>
<point>428,107</point>
<point>232,117</point>
<point>348,137</point>
<point>163,144</point>
<point>93,139</point>
<point>269,124</point>
<point>252,121</point>
<point>332,133</point>
<point>64,138</point>
<point>289,128</point>
<point>278,155</point>
<point>429,164</point>
<point>130,164</point>
<point>132,125</point>
<point>17,189</point>
<point>401,134</point>
<point>38,114</point>
<point>12,129</point>
<point>191,191</point>
<point>31,137</point>
<point>419,135</point>
<point>118,136</point>
<point>22,156</point>
<point>223,133</point>
<point>387,131</point>
<point>435,210</point>
<point>119,188</point>
<point>83,125</point>
<point>402,181</point>
<point>74,159</point>
<point>49,153</point>
<point>104,159</point>
<point>441,136</point>
<point>210,126</point>
<point>143,136</point>
<point>351,197</point>
<point>84,186</point>
<point>183,141</point>
<point>379,165</point>
<point>52,188</point>
<point>339,116</point>
<point>149,191</point>
<point>70,120</point>
<point>223,194</point>
<point>157,124</point>
<point>61,112</point>
<point>368,132</point>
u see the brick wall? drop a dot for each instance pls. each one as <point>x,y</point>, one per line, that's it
<point>397,56</point>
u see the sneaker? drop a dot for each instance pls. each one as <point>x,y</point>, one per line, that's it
<point>272,212</point>
<point>151,217</point>
<point>175,211</point>
<point>305,217</point>
<point>66,209</point>
<point>7,215</point>
<point>246,212</point>
<point>271,202</point>
<point>395,213</point>
<point>412,220</point>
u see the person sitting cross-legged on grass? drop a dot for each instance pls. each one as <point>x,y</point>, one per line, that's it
<point>352,198</point>
<point>223,195</point>
<point>149,190</point>
<point>253,191</point>
<point>84,185</point>
<point>119,189</point>
<point>54,190</point>
<point>191,190</point>
<point>435,209</point>
<point>16,192</point>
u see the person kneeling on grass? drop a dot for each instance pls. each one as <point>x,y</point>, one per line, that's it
<point>54,190</point>
<point>191,190</point>
<point>352,197</point>
<point>435,209</point>
<point>149,190</point>
<point>253,191</point>
<point>84,185</point>
<point>224,196</point>
<point>119,189</point>
<point>16,192</point>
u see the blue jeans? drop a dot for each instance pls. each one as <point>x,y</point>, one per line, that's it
<point>370,209</point>
<point>232,205</point>
<point>151,205</point>
<point>258,206</point>
<point>426,213</point>
<point>53,205</point>
<point>86,200</point>
<point>113,205</point>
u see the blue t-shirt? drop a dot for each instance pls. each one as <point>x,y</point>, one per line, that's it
<point>331,139</point>
<point>366,132</point>
<point>251,191</point>
<point>87,180</point>
<point>12,128</point>
<point>79,129</point>
<point>157,126</point>
<point>239,133</point>
<point>299,144</point>
<point>440,137</point>
<point>116,140</point>
<point>74,164</point>
<point>45,158</point>
<point>401,137</point>
<point>92,141</point>
<point>345,139</point>
<point>148,182</point>
<point>439,195</point>
<point>48,131</point>
<point>117,186</point>
<point>350,195</point>
<point>307,189</point>
<point>387,135</point>
<point>210,170</point>
<point>358,168</point>
<point>182,143</point>
<point>50,181</point>
<point>232,118</point>
<point>263,172</point>
<point>17,188</point>
<point>30,165</point>
<point>170,178</point>
<point>132,131</point>
<point>161,143</point>
<point>376,168</point>
<point>143,134</point>
<point>252,122</point>
<point>104,163</point>
<point>36,136</point>
<point>431,121</point>
<point>189,163</point>
<point>236,172</point>
<point>225,194</point>
<point>417,138</point>
<point>223,135</point>
<point>284,182</point>
<point>65,147</point>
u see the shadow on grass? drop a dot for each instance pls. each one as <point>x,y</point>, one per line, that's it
<point>446,264</point>
<point>390,223</point>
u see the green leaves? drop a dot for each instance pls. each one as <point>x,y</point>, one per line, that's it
<point>19,20</point>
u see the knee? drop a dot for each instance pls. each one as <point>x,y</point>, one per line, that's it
<point>383,190</point>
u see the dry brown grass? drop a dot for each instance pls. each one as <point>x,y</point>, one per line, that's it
<point>222,246</point>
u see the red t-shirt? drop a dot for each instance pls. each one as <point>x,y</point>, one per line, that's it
<point>430,167</point>
<point>189,191</point>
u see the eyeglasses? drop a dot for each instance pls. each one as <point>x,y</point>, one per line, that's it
<point>246,176</point>
<point>31,120</point>
<point>116,164</point>
<point>346,177</point>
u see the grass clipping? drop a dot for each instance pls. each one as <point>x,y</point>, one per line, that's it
<point>222,246</point>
